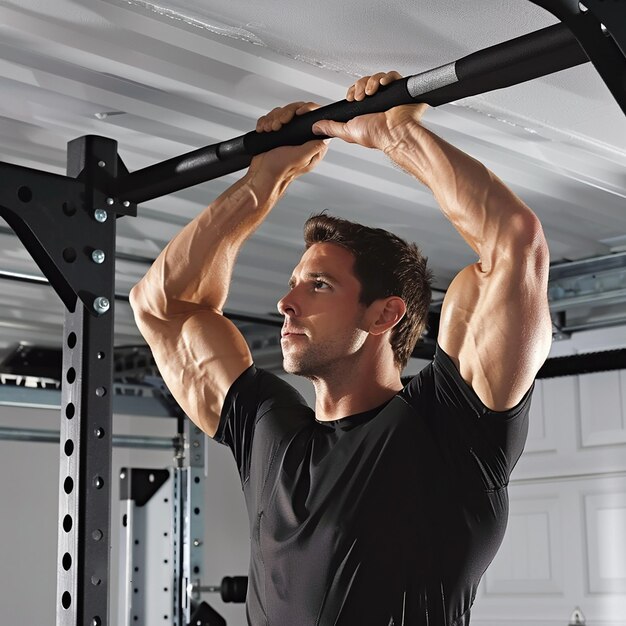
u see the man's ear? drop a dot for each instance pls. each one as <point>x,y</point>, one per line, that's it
<point>386,312</point>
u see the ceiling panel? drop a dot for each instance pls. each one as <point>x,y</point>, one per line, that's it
<point>163,79</point>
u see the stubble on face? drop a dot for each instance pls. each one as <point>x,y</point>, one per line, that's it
<point>333,323</point>
<point>326,358</point>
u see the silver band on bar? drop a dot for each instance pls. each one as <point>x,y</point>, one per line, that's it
<point>430,80</point>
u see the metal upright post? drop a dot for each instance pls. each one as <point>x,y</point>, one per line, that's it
<point>146,591</point>
<point>189,518</point>
<point>67,224</point>
<point>85,466</point>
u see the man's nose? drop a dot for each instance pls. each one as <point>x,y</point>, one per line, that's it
<point>286,305</point>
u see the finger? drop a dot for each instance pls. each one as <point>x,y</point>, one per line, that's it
<point>279,116</point>
<point>350,93</point>
<point>307,107</point>
<point>359,88</point>
<point>268,120</point>
<point>262,122</point>
<point>332,129</point>
<point>371,87</point>
<point>390,77</point>
<point>286,114</point>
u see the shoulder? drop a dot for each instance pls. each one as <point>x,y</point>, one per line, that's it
<point>451,415</point>
<point>256,393</point>
<point>441,387</point>
<point>263,390</point>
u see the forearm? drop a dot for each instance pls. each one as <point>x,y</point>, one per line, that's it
<point>481,207</point>
<point>195,268</point>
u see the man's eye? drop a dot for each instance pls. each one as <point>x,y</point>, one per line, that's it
<point>320,284</point>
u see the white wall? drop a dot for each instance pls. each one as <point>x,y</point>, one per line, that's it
<point>29,508</point>
<point>565,545</point>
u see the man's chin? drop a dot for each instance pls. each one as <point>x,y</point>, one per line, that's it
<point>290,367</point>
<point>293,367</point>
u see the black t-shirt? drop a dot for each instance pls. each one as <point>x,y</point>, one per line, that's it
<point>388,517</point>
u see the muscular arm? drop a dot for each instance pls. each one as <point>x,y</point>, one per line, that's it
<point>178,304</point>
<point>495,321</point>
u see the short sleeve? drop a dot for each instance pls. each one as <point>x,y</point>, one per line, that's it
<point>255,395</point>
<point>470,436</point>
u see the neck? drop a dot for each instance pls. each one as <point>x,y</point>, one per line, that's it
<point>354,389</point>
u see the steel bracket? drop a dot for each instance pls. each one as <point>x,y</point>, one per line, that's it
<point>55,217</point>
<point>600,28</point>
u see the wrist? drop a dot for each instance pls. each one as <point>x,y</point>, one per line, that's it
<point>411,147</point>
<point>265,188</point>
<point>403,126</point>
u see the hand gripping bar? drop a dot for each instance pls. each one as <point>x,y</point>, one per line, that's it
<point>530,56</point>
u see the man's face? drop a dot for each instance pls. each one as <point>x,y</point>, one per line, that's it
<point>324,321</point>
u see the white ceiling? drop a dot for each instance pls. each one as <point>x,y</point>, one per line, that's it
<point>164,80</point>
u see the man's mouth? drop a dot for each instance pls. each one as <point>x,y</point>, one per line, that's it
<point>291,333</point>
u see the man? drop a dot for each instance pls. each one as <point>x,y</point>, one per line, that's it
<point>385,505</point>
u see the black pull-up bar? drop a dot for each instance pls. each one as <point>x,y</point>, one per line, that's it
<point>537,54</point>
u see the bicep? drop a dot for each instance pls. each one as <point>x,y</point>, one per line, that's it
<point>199,355</point>
<point>496,326</point>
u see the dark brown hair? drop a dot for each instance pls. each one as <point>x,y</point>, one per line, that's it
<point>385,265</point>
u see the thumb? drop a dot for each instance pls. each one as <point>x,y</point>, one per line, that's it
<point>332,129</point>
